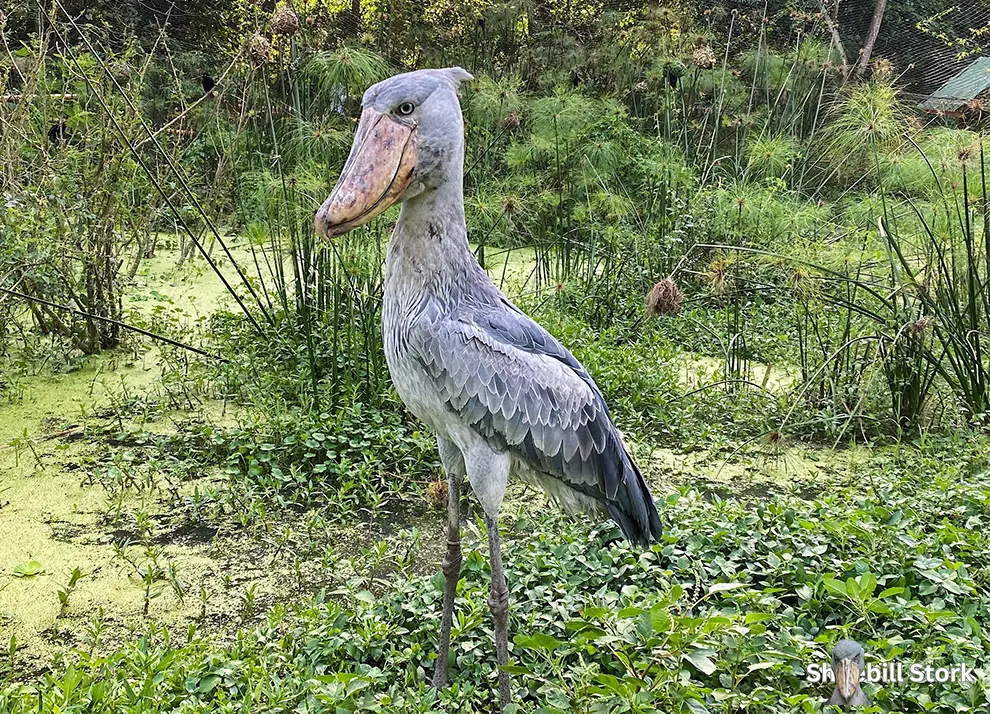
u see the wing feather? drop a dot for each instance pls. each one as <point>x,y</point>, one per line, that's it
<point>521,390</point>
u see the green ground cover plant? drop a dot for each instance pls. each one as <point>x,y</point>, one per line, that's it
<point>729,610</point>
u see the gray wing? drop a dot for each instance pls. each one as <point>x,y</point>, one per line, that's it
<point>521,390</point>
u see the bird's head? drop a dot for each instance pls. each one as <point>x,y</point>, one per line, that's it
<point>410,138</point>
<point>848,661</point>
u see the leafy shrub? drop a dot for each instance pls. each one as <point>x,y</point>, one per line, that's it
<point>868,124</point>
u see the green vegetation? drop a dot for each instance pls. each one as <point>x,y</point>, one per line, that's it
<point>776,269</point>
<point>743,595</point>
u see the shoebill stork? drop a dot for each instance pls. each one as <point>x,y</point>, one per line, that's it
<point>504,397</point>
<point>848,662</point>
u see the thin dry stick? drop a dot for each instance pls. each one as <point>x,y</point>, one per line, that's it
<point>17,97</point>
<point>110,320</point>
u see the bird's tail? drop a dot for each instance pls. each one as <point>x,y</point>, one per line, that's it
<point>633,507</point>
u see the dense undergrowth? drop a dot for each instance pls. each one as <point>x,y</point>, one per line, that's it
<point>727,613</point>
<point>809,220</point>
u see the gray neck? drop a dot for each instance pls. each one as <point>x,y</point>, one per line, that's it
<point>429,251</point>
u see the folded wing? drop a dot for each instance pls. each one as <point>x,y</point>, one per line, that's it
<point>520,389</point>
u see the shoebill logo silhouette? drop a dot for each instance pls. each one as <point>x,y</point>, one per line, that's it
<point>848,662</point>
<point>848,671</point>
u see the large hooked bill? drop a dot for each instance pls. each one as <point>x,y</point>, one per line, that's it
<point>847,677</point>
<point>378,170</point>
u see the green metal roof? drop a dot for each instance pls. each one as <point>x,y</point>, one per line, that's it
<point>963,87</point>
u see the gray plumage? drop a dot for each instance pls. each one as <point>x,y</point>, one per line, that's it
<point>503,395</point>
<point>481,373</point>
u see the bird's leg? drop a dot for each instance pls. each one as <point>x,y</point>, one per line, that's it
<point>498,603</point>
<point>451,573</point>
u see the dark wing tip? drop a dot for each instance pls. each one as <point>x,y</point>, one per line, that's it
<point>633,508</point>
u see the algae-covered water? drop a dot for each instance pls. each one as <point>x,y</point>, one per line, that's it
<point>47,514</point>
<point>55,517</point>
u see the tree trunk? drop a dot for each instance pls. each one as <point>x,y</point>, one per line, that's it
<point>871,38</point>
<point>831,21</point>
<point>352,20</point>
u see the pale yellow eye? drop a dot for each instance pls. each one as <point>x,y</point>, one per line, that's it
<point>405,109</point>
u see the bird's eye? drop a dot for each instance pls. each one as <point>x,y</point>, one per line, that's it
<point>405,109</point>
